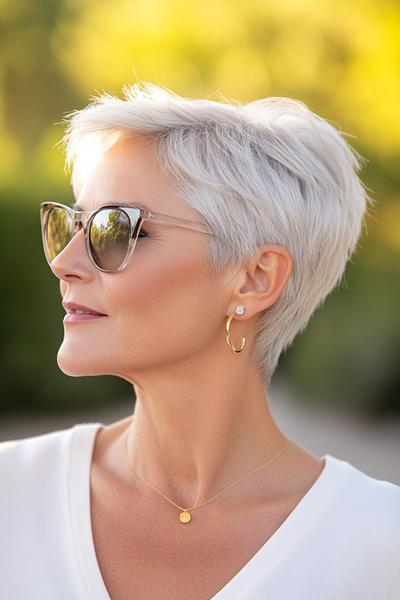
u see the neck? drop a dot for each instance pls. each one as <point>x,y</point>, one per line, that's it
<point>190,438</point>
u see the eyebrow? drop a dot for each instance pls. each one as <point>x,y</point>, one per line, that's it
<point>77,206</point>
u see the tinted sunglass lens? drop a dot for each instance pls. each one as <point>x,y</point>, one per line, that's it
<point>59,232</point>
<point>109,237</point>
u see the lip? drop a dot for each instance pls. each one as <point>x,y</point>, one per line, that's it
<point>70,307</point>
<point>74,318</point>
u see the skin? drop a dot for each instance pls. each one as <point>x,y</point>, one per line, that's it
<point>202,417</point>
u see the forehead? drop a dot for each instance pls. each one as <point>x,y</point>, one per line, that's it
<point>110,171</point>
<point>128,173</point>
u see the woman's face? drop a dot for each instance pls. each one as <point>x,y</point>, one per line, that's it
<point>165,306</point>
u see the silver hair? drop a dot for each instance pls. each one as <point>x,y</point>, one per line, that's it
<point>265,172</point>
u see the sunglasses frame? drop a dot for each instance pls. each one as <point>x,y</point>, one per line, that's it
<point>85,217</point>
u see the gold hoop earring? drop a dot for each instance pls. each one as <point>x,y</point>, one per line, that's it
<point>239,311</point>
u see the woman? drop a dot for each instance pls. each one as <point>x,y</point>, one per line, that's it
<point>204,237</point>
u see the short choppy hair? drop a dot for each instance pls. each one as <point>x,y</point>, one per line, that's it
<point>265,172</point>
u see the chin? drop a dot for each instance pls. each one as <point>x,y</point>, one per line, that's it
<point>72,364</point>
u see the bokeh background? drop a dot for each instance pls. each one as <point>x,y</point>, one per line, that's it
<point>342,58</point>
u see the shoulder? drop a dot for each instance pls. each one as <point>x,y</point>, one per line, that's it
<point>34,472</point>
<point>35,456</point>
<point>368,506</point>
<point>371,492</point>
<point>32,480</point>
<point>25,452</point>
<point>35,513</point>
<point>31,467</point>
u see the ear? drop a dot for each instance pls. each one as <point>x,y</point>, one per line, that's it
<point>262,279</point>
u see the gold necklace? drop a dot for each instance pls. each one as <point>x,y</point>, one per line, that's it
<point>185,515</point>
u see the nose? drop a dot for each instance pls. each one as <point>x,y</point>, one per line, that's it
<point>73,261</point>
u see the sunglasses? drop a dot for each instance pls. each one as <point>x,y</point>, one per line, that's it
<point>111,231</point>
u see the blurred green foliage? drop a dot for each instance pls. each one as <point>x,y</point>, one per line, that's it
<point>342,59</point>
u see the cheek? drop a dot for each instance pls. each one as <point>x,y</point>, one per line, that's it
<point>164,300</point>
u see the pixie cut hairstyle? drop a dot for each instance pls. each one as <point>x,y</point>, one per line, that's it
<point>265,172</point>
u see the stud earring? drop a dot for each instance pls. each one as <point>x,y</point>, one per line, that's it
<point>240,309</point>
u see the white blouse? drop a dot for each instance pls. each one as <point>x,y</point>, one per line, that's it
<point>341,541</point>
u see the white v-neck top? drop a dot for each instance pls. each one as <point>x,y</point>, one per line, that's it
<point>341,541</point>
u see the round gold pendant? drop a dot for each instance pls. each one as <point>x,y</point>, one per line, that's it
<point>184,517</point>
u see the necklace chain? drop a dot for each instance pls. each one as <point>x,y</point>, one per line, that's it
<point>185,516</point>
